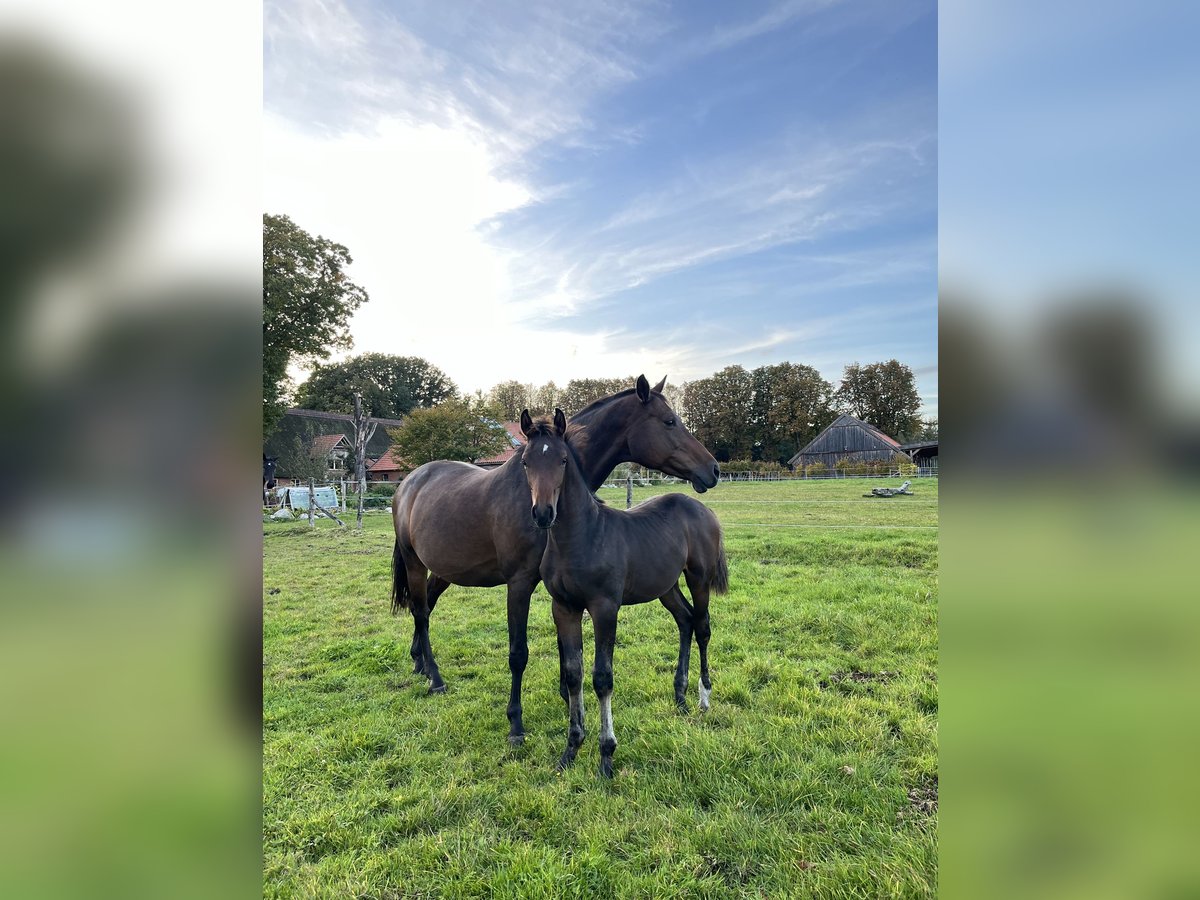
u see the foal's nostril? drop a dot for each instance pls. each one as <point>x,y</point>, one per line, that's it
<point>716,471</point>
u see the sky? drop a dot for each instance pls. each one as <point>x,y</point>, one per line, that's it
<point>579,189</point>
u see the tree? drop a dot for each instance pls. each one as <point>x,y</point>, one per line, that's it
<point>450,430</point>
<point>510,397</point>
<point>719,412</point>
<point>544,400</point>
<point>307,305</point>
<point>391,386</point>
<point>792,403</point>
<point>929,429</point>
<point>884,394</point>
<point>579,392</point>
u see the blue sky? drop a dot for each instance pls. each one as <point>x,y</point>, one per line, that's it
<point>548,191</point>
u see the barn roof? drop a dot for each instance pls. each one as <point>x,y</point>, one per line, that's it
<point>847,436</point>
<point>389,462</point>
<point>324,444</point>
<point>515,437</point>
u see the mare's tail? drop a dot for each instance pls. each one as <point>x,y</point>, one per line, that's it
<point>399,581</point>
<point>719,584</point>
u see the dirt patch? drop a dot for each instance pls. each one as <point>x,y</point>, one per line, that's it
<point>855,676</point>
<point>922,800</point>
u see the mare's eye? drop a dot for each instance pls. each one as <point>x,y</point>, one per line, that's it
<point>563,462</point>
<point>524,465</point>
<point>668,422</point>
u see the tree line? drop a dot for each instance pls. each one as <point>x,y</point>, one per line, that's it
<point>765,414</point>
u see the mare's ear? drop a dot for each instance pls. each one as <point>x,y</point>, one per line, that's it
<point>658,387</point>
<point>526,422</point>
<point>560,421</point>
<point>643,389</point>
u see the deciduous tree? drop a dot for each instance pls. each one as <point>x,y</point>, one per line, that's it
<point>884,394</point>
<point>391,386</point>
<point>450,430</point>
<point>307,304</point>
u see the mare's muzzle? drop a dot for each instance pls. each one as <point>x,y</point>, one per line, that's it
<point>702,481</point>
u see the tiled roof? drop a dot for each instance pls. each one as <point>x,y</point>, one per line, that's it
<point>323,445</point>
<point>389,462</point>
<point>516,438</point>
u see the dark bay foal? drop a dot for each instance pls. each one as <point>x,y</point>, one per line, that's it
<point>470,526</point>
<point>599,559</point>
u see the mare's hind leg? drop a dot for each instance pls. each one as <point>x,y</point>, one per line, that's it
<point>419,603</point>
<point>604,619</point>
<point>435,586</point>
<point>569,624</point>
<point>681,610</point>
<point>700,592</point>
<point>518,654</point>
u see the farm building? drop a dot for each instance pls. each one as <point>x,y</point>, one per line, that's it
<point>389,467</point>
<point>923,453</point>
<point>309,434</point>
<point>515,437</point>
<point>849,439</point>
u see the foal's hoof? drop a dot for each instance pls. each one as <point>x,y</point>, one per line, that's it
<point>564,763</point>
<point>681,706</point>
<point>437,689</point>
<point>516,740</point>
<point>606,768</point>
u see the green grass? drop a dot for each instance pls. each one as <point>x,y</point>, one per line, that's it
<point>804,779</point>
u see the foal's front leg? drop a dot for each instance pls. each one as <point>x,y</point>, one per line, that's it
<point>604,619</point>
<point>518,654</point>
<point>569,624</point>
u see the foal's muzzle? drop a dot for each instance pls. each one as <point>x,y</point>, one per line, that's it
<point>544,516</point>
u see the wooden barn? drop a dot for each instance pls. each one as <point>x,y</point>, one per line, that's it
<point>847,438</point>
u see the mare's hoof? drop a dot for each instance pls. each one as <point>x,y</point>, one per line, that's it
<point>564,763</point>
<point>681,706</point>
<point>606,768</point>
<point>516,740</point>
<point>437,689</point>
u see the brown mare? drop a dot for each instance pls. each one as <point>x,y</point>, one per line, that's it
<point>471,527</point>
<point>600,559</point>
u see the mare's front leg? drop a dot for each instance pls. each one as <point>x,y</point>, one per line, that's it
<point>681,611</point>
<point>604,620</point>
<point>519,593</point>
<point>569,624</point>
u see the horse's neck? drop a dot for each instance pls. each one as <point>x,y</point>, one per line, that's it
<point>578,510</point>
<point>599,446</point>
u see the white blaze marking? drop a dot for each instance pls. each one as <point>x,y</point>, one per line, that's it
<point>545,447</point>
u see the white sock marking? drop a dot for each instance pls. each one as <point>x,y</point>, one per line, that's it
<point>705,693</point>
<point>606,725</point>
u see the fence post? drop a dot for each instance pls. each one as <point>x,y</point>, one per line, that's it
<point>629,490</point>
<point>311,502</point>
<point>343,495</point>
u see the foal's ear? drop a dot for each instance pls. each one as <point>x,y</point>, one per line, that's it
<point>643,389</point>
<point>658,387</point>
<point>560,421</point>
<point>526,422</point>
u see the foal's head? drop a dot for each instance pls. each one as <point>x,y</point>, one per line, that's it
<point>544,458</point>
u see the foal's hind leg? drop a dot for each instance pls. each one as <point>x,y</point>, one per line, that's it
<point>681,610</point>
<point>434,587</point>
<point>569,624</point>
<point>700,592</point>
<point>419,602</point>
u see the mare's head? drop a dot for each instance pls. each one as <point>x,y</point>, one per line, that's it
<point>544,459</point>
<point>269,471</point>
<point>658,439</point>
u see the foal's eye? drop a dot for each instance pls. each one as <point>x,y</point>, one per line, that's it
<point>669,422</point>
<point>563,461</point>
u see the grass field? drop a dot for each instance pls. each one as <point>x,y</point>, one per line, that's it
<point>814,773</point>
